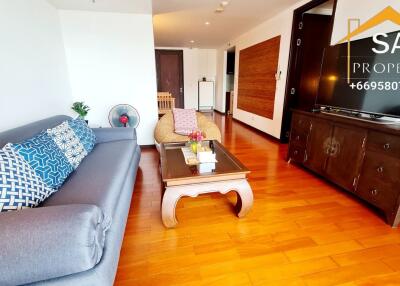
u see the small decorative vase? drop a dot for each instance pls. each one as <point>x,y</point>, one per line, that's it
<point>195,146</point>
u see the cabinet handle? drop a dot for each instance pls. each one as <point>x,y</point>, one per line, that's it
<point>386,146</point>
<point>380,169</point>
<point>296,152</point>
<point>297,138</point>
<point>374,192</point>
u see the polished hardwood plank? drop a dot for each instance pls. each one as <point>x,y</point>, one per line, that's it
<point>301,230</point>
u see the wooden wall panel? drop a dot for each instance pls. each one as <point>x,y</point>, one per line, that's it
<point>258,65</point>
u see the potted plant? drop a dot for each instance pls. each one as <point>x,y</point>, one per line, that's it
<point>81,108</point>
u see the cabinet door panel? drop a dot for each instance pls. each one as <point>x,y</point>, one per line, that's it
<point>345,156</point>
<point>318,143</point>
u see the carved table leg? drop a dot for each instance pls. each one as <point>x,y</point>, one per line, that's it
<point>244,198</point>
<point>173,194</point>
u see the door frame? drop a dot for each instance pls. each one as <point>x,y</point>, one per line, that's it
<point>224,75</point>
<point>294,54</point>
<point>181,70</point>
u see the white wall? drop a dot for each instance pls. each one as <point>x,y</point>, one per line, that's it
<point>363,10</point>
<point>281,25</point>
<point>197,63</point>
<point>111,61</point>
<point>33,74</point>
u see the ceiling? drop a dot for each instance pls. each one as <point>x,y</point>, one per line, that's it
<point>178,22</point>
<point>117,6</point>
<point>323,9</point>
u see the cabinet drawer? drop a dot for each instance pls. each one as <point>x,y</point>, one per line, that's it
<point>381,167</point>
<point>379,195</point>
<point>379,180</point>
<point>301,123</point>
<point>298,137</point>
<point>384,143</point>
<point>297,153</point>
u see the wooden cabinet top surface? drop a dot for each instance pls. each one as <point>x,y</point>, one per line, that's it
<point>362,123</point>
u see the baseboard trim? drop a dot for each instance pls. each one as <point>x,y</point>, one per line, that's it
<point>217,111</point>
<point>151,146</point>
<point>266,135</point>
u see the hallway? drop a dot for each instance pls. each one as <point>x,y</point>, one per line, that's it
<point>301,230</point>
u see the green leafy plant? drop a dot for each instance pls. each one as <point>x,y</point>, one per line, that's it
<point>81,108</point>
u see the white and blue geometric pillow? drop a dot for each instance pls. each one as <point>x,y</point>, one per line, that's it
<point>20,186</point>
<point>45,158</point>
<point>84,133</point>
<point>68,143</point>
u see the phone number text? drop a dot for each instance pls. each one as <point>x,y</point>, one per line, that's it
<point>376,85</point>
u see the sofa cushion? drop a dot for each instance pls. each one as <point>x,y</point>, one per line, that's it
<point>43,155</point>
<point>69,143</point>
<point>20,186</point>
<point>44,243</point>
<point>83,132</point>
<point>99,178</point>
<point>185,121</point>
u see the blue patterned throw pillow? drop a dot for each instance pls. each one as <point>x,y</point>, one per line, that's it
<point>45,158</point>
<point>20,186</point>
<point>84,133</point>
<point>68,143</point>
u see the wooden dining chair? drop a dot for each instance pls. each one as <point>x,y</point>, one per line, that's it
<point>165,102</point>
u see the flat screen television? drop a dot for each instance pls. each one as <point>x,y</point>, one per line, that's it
<point>375,78</point>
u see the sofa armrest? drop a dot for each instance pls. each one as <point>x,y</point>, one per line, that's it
<point>49,242</point>
<point>104,135</point>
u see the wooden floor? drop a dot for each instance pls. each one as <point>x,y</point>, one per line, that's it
<point>301,231</point>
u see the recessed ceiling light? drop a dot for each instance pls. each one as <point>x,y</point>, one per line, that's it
<point>192,41</point>
<point>224,3</point>
<point>207,23</point>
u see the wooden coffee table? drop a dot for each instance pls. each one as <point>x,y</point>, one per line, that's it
<point>182,180</point>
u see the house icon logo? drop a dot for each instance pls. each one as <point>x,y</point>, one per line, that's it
<point>387,14</point>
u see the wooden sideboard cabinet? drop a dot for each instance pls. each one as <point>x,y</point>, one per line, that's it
<point>360,156</point>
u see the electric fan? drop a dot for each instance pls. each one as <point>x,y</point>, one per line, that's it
<point>124,115</point>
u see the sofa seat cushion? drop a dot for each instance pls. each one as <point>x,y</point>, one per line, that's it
<point>99,178</point>
<point>44,243</point>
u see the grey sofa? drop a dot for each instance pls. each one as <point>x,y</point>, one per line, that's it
<point>75,237</point>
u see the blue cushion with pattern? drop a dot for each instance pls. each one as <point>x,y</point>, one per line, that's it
<point>45,158</point>
<point>20,186</point>
<point>69,143</point>
<point>84,133</point>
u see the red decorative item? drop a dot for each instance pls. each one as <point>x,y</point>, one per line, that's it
<point>124,119</point>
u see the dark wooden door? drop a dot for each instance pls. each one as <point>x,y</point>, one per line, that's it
<point>318,143</point>
<point>345,156</point>
<point>315,38</point>
<point>311,33</point>
<point>228,103</point>
<point>170,74</point>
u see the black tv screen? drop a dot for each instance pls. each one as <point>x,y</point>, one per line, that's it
<point>374,85</point>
